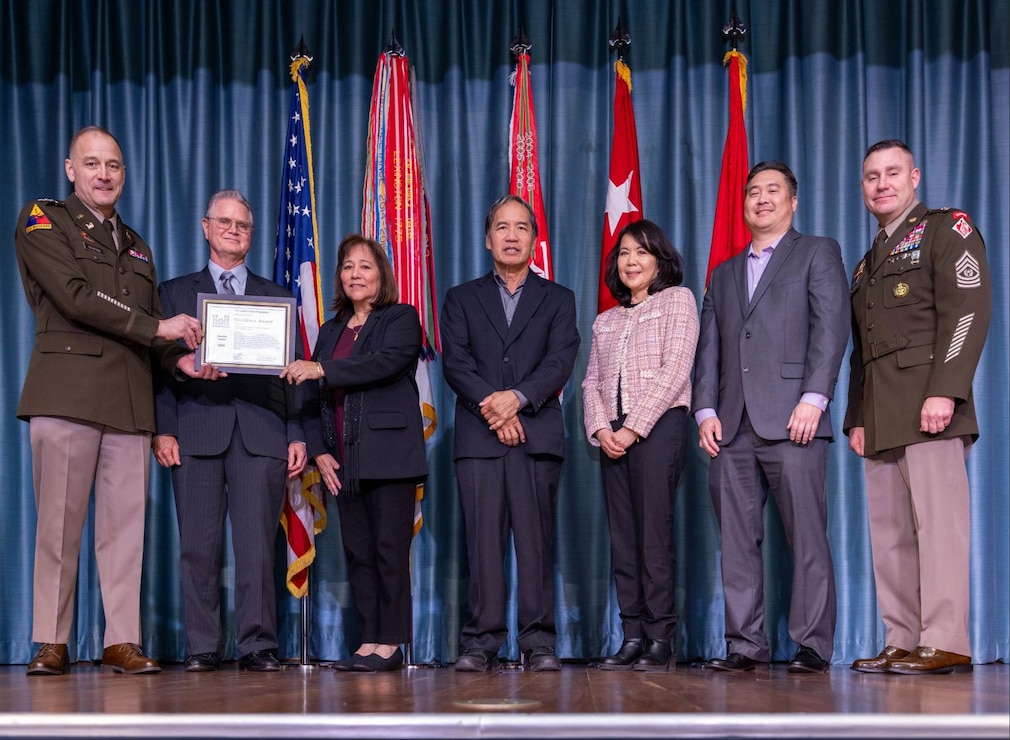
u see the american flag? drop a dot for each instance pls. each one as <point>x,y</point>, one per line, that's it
<point>296,264</point>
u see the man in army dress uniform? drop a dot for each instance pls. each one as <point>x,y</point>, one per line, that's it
<point>921,303</point>
<point>88,397</point>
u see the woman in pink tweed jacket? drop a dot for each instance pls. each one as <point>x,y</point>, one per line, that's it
<point>636,394</point>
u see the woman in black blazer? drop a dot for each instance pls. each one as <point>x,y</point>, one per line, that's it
<point>364,431</point>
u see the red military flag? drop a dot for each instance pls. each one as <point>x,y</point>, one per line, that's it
<point>729,233</point>
<point>624,187</point>
<point>397,215</point>
<point>296,262</point>
<point>524,170</point>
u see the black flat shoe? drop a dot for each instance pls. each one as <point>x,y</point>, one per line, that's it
<point>631,650</point>
<point>374,662</point>
<point>346,664</point>
<point>656,657</point>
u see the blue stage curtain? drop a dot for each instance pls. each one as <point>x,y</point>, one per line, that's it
<point>197,93</point>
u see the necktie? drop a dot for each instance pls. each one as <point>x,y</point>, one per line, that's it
<point>226,286</point>
<point>878,251</point>
<point>107,223</point>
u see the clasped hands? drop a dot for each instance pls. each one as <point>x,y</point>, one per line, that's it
<point>499,411</point>
<point>615,444</point>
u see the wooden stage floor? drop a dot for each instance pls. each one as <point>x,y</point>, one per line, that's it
<point>427,702</point>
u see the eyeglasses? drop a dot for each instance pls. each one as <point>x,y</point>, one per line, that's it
<point>225,224</point>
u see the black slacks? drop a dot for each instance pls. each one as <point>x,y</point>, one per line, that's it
<point>515,492</point>
<point>376,526</point>
<point>640,489</point>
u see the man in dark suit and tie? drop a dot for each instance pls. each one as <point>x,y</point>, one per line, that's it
<point>774,326</point>
<point>231,445</point>
<point>510,341</point>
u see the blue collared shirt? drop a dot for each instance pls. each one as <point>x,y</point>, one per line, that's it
<point>239,272</point>
<point>509,302</point>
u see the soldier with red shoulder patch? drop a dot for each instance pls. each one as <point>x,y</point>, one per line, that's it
<point>88,397</point>
<point>921,304</point>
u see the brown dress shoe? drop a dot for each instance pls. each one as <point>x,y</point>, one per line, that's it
<point>881,663</point>
<point>51,660</point>
<point>930,660</point>
<point>128,658</point>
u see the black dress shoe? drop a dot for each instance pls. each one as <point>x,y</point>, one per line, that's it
<point>203,662</point>
<point>476,660</point>
<point>656,657</point>
<point>732,663</point>
<point>807,660</point>
<point>541,660</point>
<point>375,662</point>
<point>631,650</point>
<point>259,660</point>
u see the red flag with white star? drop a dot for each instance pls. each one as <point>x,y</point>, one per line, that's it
<point>624,187</point>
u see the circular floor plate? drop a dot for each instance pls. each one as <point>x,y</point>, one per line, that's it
<point>498,704</point>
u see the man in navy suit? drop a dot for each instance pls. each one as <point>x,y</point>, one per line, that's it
<point>231,444</point>
<point>509,341</point>
<point>774,326</point>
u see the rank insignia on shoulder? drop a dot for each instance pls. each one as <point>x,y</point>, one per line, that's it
<point>138,255</point>
<point>37,219</point>
<point>963,228</point>
<point>50,201</point>
<point>968,272</point>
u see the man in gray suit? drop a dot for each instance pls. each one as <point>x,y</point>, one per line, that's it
<point>774,326</point>
<point>230,445</point>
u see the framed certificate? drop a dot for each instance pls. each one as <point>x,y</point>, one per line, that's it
<point>246,333</point>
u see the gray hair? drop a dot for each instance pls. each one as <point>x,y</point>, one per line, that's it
<point>228,194</point>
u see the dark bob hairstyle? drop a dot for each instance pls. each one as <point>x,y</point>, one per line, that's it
<point>669,263</point>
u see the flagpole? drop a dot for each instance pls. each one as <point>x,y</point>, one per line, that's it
<point>734,29</point>
<point>620,40</point>
<point>296,262</point>
<point>394,48</point>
